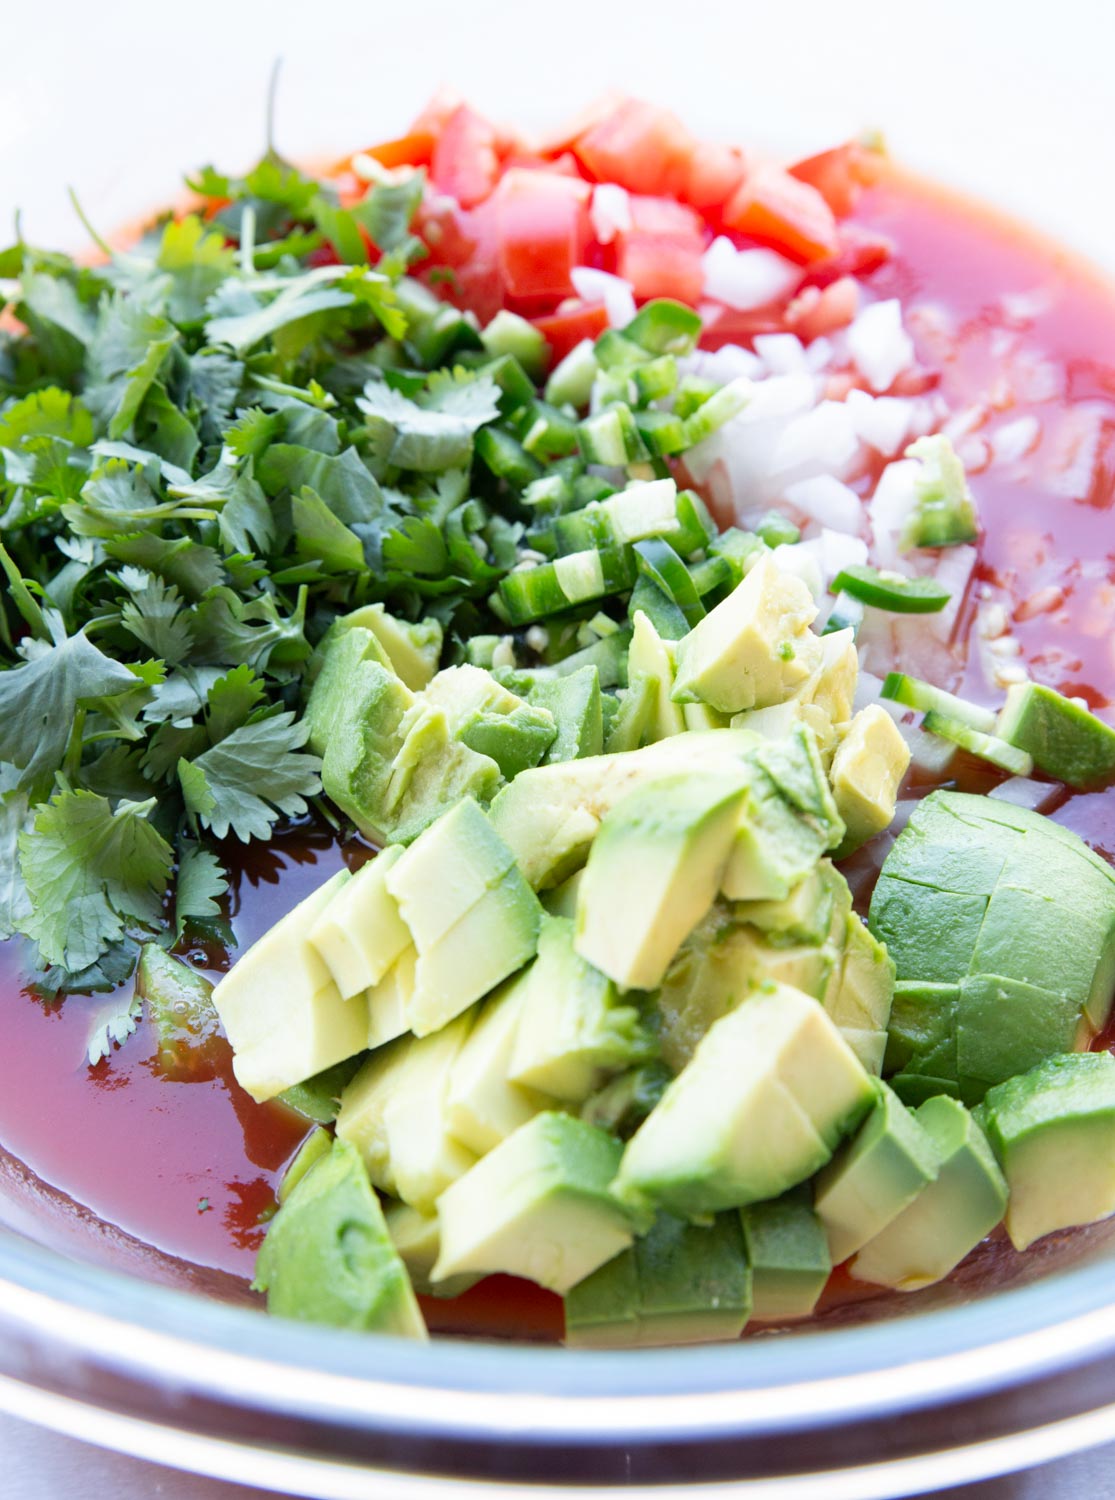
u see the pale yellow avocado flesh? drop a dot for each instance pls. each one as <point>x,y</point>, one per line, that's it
<point>390,1000</point>
<point>395,1113</point>
<point>359,933</point>
<point>446,871</point>
<point>417,1238</point>
<point>651,657</point>
<point>867,769</point>
<point>284,1017</point>
<point>484,1105</point>
<point>754,648</point>
<point>653,873</point>
<point>411,650</point>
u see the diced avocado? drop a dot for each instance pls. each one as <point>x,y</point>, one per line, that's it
<point>832,686</point>
<point>679,1284</point>
<point>632,725</point>
<point>1053,1132</point>
<point>561,900</point>
<point>870,762</point>
<point>180,1003</point>
<point>874,1177</point>
<point>787,822</point>
<point>770,1090</point>
<point>412,650</point>
<point>537,1206</point>
<point>390,1001</point>
<point>653,873</point>
<point>860,1003</point>
<point>624,1102</point>
<point>319,1098</point>
<point>395,1112</point>
<point>548,817</point>
<point>328,1257</point>
<point>417,1238</point>
<point>474,918</point>
<point>388,760</point>
<point>318,1144</point>
<point>649,656</point>
<point>572,1028</point>
<point>788,1252</point>
<point>360,933</point>
<point>489,719</point>
<point>806,914</point>
<point>485,1103</point>
<point>1065,740</point>
<point>949,1217</point>
<point>945,512</point>
<point>574,702</point>
<point>754,648</point>
<point>1002,928</point>
<point>284,1017</point>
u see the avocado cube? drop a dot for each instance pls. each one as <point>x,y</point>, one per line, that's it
<point>412,649</point>
<point>572,1028</point>
<point>328,1257</point>
<point>284,1017</point>
<point>754,647</point>
<point>548,816</point>
<point>941,848</point>
<point>395,1112</point>
<point>561,900</point>
<point>806,914</point>
<point>930,934</point>
<point>1066,741</point>
<point>574,702</point>
<point>788,1253</point>
<point>653,873</point>
<point>770,1090</point>
<point>537,1206</point>
<point>317,1144</point>
<point>319,1098</point>
<point>417,1238</point>
<point>360,933</point>
<point>390,1000</point>
<point>873,1178</point>
<point>485,1102</point>
<point>870,762</point>
<point>949,1217</point>
<point>446,871</point>
<point>488,718</point>
<point>602,1311</point>
<point>694,1281</point>
<point>787,821</point>
<point>1005,1027</point>
<point>1053,1134</point>
<point>650,657</point>
<point>342,661</point>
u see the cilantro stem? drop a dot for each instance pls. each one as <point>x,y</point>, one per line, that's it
<point>98,240</point>
<point>248,240</point>
<point>22,597</point>
<point>71,762</point>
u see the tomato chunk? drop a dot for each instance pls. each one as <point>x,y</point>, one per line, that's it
<point>714,173</point>
<point>779,210</point>
<point>644,148</point>
<point>839,174</point>
<point>572,323</point>
<point>542,224</point>
<point>413,150</point>
<point>464,162</point>
<point>660,254</point>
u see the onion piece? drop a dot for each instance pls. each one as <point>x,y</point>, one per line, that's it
<point>610,211</point>
<point>746,279</point>
<point>879,345</point>
<point>617,295</point>
<point>828,502</point>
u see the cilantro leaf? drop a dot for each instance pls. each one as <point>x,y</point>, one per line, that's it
<point>154,615</point>
<point>244,782</point>
<point>91,873</point>
<point>437,436</point>
<point>201,883</point>
<point>14,817</point>
<point>39,700</point>
<point>231,699</point>
<point>112,1026</point>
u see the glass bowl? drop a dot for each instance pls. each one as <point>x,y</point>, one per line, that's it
<point>108,1340</point>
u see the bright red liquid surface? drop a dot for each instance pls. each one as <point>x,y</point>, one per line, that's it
<point>190,1168</point>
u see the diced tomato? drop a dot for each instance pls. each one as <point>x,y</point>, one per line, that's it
<point>573,322</point>
<point>642,147</point>
<point>413,150</point>
<point>660,255</point>
<point>839,174</point>
<point>543,227</point>
<point>816,311</point>
<point>465,164</point>
<point>438,108</point>
<point>464,242</point>
<point>860,251</point>
<point>714,173</point>
<point>565,136</point>
<point>779,210</point>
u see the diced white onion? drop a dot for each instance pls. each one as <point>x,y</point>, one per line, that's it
<point>782,353</point>
<point>802,560</point>
<point>723,364</point>
<point>617,295</point>
<point>1024,791</point>
<point>890,506</point>
<point>1015,439</point>
<point>879,345</point>
<point>882,422</point>
<point>821,441</point>
<point>610,211</point>
<point>745,279</point>
<point>828,502</point>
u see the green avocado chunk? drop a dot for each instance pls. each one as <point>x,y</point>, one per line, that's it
<point>770,1091</point>
<point>653,873</point>
<point>490,719</point>
<point>678,1284</point>
<point>180,1003</point>
<point>574,702</point>
<point>1053,1132</point>
<point>359,933</point>
<point>1001,925</point>
<point>1065,740</point>
<point>874,1177</point>
<point>328,1257</point>
<point>949,1217</point>
<point>788,1253</point>
<point>411,650</point>
<point>537,1206</point>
